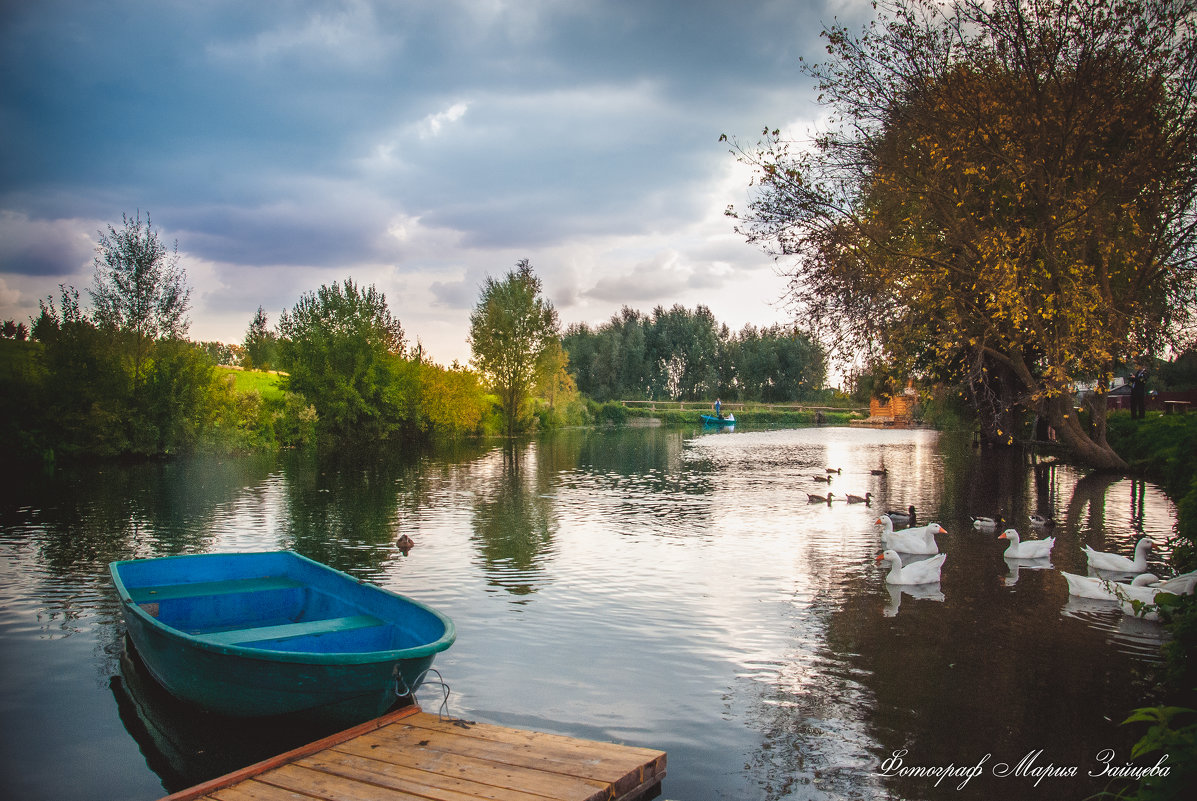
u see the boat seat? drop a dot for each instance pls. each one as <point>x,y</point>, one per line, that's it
<point>286,631</point>
<point>142,595</point>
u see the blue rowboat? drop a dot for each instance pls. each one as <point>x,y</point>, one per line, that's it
<point>263,634</point>
<point>712,420</point>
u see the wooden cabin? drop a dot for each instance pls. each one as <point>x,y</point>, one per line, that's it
<point>896,410</point>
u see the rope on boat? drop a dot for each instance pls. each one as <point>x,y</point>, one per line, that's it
<point>403,690</point>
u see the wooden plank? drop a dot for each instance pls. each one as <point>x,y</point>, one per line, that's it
<point>413,756</point>
<point>229,779</point>
<point>589,760</point>
<point>542,740</point>
<point>327,786</point>
<point>434,786</point>
<point>623,766</point>
<point>253,790</point>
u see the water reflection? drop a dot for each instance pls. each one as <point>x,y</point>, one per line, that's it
<point>342,510</point>
<point>653,586</point>
<point>185,744</point>
<point>1014,566</point>
<point>514,519</point>
<point>929,592</point>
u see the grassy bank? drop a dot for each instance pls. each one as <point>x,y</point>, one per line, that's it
<point>763,417</point>
<point>266,384</point>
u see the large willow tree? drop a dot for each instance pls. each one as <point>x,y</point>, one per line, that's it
<point>1005,196</point>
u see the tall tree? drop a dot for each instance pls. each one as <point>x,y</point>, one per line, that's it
<point>338,345</point>
<point>260,343</point>
<point>1009,196</point>
<point>683,349</point>
<point>139,288</point>
<point>775,365</point>
<point>510,329</point>
<point>611,362</point>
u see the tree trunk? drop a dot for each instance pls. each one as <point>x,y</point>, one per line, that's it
<point>994,400</point>
<point>1090,447</point>
<point>1099,409</point>
<point>1095,452</point>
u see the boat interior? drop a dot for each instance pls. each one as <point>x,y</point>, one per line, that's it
<point>286,613</point>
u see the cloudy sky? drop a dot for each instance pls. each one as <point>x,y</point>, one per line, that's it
<point>418,145</point>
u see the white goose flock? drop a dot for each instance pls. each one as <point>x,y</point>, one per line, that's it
<point>1135,598</point>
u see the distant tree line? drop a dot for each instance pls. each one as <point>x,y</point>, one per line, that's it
<point>679,354</point>
<point>118,377</point>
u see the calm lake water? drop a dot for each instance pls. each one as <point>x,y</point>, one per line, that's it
<point>663,588</point>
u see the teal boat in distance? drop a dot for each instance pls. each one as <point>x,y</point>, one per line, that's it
<point>712,420</point>
<point>276,633</point>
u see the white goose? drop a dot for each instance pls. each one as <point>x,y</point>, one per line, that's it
<point>1100,589</point>
<point>918,540</point>
<point>923,572</point>
<point>1180,584</point>
<point>1117,563</point>
<point>1033,549</point>
<point>1145,608</point>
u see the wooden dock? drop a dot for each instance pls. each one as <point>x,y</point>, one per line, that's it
<point>410,755</point>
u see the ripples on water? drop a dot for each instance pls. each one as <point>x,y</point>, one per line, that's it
<point>663,588</point>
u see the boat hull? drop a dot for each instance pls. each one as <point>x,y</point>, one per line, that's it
<point>256,635</point>
<point>712,420</point>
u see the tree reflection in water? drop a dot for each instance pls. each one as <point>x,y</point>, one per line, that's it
<point>513,518</point>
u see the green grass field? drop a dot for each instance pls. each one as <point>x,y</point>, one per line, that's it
<point>266,384</point>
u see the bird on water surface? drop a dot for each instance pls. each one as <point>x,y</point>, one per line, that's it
<point>906,517</point>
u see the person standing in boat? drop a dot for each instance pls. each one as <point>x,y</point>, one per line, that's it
<point>718,409</point>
